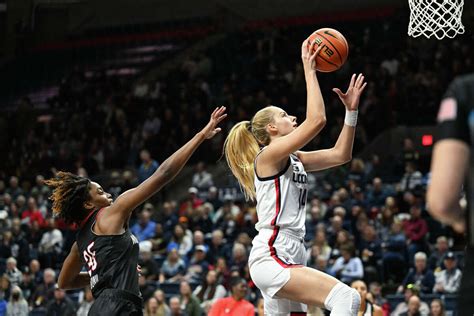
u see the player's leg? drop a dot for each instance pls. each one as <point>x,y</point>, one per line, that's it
<point>312,287</point>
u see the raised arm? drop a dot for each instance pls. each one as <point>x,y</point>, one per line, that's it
<point>119,212</point>
<point>280,148</point>
<point>342,150</point>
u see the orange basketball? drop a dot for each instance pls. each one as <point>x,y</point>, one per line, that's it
<point>334,52</point>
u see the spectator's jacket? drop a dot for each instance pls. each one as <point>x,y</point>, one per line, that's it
<point>449,280</point>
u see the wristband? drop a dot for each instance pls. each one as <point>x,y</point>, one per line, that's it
<point>351,118</point>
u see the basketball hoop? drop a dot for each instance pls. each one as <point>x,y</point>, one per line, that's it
<point>441,18</point>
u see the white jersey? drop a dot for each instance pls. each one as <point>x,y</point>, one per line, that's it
<point>281,199</point>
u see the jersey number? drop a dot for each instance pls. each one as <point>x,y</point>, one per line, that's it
<point>89,257</point>
<point>302,198</point>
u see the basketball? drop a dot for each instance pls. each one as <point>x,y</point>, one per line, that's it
<point>334,52</point>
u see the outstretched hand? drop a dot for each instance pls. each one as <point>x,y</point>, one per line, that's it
<point>309,52</point>
<point>351,98</point>
<point>210,130</point>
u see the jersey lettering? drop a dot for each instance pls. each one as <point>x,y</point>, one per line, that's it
<point>89,257</point>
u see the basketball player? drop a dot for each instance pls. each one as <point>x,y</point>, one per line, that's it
<point>275,177</point>
<point>104,242</point>
<point>452,158</point>
<point>366,307</point>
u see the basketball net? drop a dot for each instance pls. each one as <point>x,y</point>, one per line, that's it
<point>439,18</point>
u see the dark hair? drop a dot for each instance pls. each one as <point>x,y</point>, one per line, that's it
<point>70,192</point>
<point>236,281</point>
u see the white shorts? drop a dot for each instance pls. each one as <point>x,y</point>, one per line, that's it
<point>272,255</point>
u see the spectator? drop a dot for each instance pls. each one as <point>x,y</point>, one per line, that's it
<point>437,256</point>
<point>411,179</point>
<point>86,303</point>
<point>234,305</point>
<point>370,249</point>
<point>437,308</point>
<point>50,245</point>
<point>366,306</point>
<point>27,285</point>
<point>175,307</point>
<point>202,180</point>
<point>14,275</point>
<point>188,301</point>
<point>449,279</point>
<point>377,194</point>
<point>45,291</point>
<point>413,307</point>
<point>421,275</point>
<point>61,305</point>
<point>181,240</point>
<point>149,267</point>
<point>410,291</point>
<point>218,247</point>
<point>415,230</point>
<point>209,290</point>
<point>163,309</point>
<point>147,289</point>
<point>347,268</point>
<point>14,189</point>
<point>394,261</point>
<point>151,307</point>
<point>147,167</point>
<point>213,198</point>
<point>4,287</point>
<point>35,271</point>
<point>201,218</point>
<point>173,268</point>
<point>144,229</point>
<point>20,246</point>
<point>32,213</point>
<point>319,247</point>
<point>17,306</point>
<point>198,265</point>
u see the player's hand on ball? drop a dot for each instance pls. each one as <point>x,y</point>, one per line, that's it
<point>309,58</point>
<point>211,128</point>
<point>351,98</point>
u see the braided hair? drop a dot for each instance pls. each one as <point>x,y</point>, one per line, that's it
<point>70,192</point>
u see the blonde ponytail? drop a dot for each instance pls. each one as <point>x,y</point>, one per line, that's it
<point>240,150</point>
<point>242,146</point>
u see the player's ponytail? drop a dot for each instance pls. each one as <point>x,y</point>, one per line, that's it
<point>242,146</point>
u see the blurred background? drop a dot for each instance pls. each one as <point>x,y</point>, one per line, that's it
<point>109,89</point>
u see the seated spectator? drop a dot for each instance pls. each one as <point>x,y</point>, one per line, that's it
<point>347,268</point>
<point>151,307</point>
<point>158,241</point>
<point>27,285</point>
<point>181,240</point>
<point>209,291</point>
<point>188,301</point>
<point>239,258</point>
<point>147,167</point>
<point>435,262</point>
<point>144,229</point>
<point>377,194</point>
<point>175,307</point>
<point>202,180</point>
<point>414,304</point>
<point>163,308</point>
<point>415,230</point>
<point>44,292</point>
<point>60,305</point>
<point>35,271</point>
<point>370,249</point>
<point>218,247</point>
<point>421,275</point>
<point>449,279</point>
<point>410,291</point>
<point>366,306</point>
<point>86,302</point>
<point>32,213</point>
<point>173,268</point>
<point>17,305</point>
<point>235,305</point>
<point>5,287</point>
<point>50,245</point>
<point>411,179</point>
<point>201,218</point>
<point>319,246</point>
<point>147,289</point>
<point>149,267</point>
<point>437,308</point>
<point>198,265</point>
<point>393,260</point>
<point>375,289</point>
<point>14,275</point>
